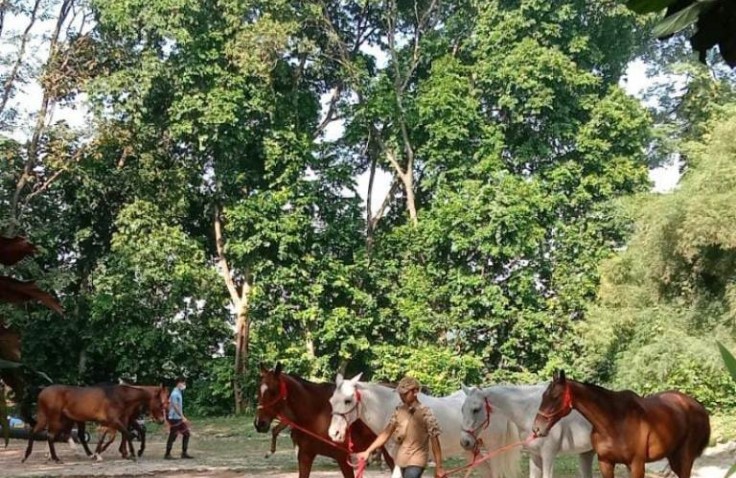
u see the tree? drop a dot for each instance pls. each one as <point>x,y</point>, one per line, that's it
<point>671,291</point>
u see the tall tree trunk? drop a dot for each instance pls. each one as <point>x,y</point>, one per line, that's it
<point>242,342</point>
<point>240,300</point>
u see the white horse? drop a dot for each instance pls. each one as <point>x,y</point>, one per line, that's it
<point>520,403</point>
<point>374,404</point>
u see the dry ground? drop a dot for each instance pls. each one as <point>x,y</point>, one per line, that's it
<point>229,447</point>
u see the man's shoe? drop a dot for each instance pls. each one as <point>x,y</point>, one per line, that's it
<point>168,457</point>
<point>187,456</point>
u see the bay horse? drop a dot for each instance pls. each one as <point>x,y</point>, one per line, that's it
<point>59,406</point>
<point>520,403</point>
<point>307,405</point>
<point>628,428</point>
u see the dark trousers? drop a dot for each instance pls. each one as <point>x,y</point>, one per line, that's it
<point>412,471</point>
<point>176,427</point>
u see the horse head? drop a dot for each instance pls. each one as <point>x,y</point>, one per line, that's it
<point>476,416</point>
<point>271,396</point>
<point>556,403</point>
<point>345,401</point>
<point>158,402</point>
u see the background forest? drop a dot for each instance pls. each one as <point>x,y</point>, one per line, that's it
<point>204,214</point>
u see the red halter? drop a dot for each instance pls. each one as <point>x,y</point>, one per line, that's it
<point>282,396</point>
<point>564,408</point>
<point>475,432</point>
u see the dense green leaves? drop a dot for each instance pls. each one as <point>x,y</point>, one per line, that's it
<point>666,297</point>
<point>207,195</point>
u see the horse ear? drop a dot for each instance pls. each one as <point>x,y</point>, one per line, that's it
<point>562,376</point>
<point>466,389</point>
<point>555,375</point>
<point>277,371</point>
<point>339,379</point>
<point>263,368</point>
<point>356,379</point>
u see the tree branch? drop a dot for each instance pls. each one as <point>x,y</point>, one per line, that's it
<point>222,261</point>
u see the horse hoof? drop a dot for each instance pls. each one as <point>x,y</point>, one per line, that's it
<point>97,457</point>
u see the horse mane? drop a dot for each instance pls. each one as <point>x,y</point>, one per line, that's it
<point>325,387</point>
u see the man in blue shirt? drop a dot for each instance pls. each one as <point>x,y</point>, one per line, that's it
<point>178,423</point>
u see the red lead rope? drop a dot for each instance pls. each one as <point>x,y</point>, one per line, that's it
<point>362,463</point>
<point>283,393</point>
<point>477,461</point>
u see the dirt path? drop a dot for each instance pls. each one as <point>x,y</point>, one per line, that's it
<point>233,459</point>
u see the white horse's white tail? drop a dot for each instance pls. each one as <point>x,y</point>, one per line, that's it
<point>507,464</point>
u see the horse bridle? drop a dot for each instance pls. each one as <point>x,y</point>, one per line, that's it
<point>344,415</point>
<point>282,396</point>
<point>564,408</point>
<point>475,432</point>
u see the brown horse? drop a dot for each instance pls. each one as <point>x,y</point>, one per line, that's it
<point>630,429</point>
<point>307,404</point>
<point>59,406</point>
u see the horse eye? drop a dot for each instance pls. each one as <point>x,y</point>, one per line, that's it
<point>476,410</point>
<point>347,401</point>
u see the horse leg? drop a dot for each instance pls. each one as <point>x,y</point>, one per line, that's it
<point>548,461</point>
<point>141,434</point>
<point>129,438</point>
<point>99,448</point>
<point>305,463</point>
<point>81,433</point>
<point>40,425</point>
<point>607,468</point>
<point>681,462</point>
<point>637,468</point>
<point>123,448</point>
<point>345,468</point>
<point>274,434</point>
<point>535,466</point>
<point>586,463</point>
<point>53,432</point>
<point>105,434</point>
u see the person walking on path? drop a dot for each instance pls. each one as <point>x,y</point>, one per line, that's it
<point>178,423</point>
<point>414,427</point>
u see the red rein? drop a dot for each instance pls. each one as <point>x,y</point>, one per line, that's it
<point>283,393</point>
<point>361,465</point>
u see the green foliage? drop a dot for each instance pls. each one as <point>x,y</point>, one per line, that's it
<point>206,109</point>
<point>437,368</point>
<point>669,294</point>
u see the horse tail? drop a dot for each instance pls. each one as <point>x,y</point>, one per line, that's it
<point>702,425</point>
<point>30,396</point>
<point>507,464</point>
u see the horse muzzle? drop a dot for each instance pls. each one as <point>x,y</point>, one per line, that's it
<point>261,426</point>
<point>467,441</point>
<point>336,435</point>
<point>540,429</point>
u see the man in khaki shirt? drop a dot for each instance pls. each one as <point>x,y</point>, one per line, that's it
<point>414,427</point>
